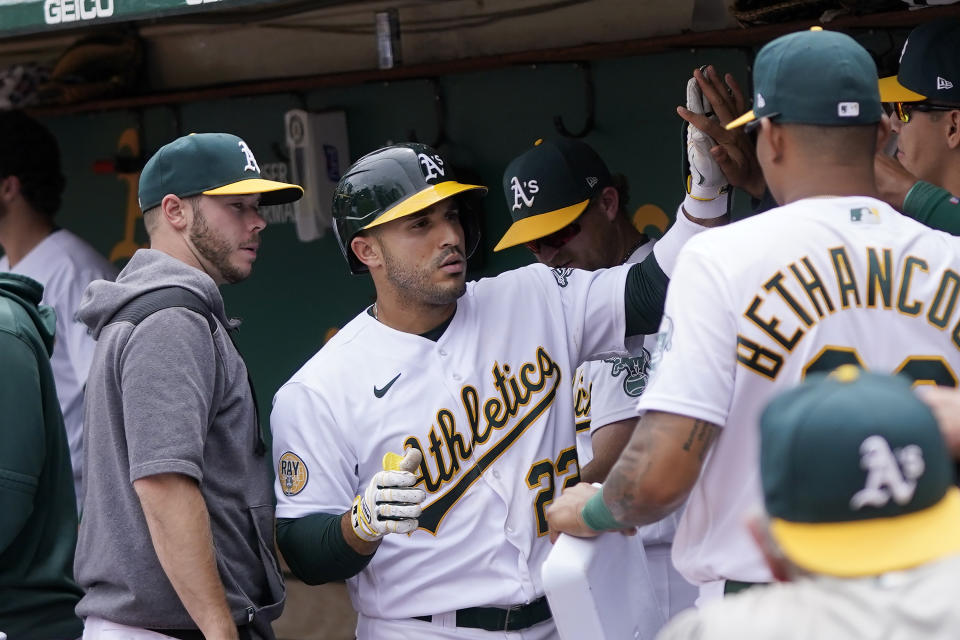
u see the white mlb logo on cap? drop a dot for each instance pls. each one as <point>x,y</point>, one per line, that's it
<point>848,109</point>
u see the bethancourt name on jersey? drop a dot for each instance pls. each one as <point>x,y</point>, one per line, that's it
<point>814,297</point>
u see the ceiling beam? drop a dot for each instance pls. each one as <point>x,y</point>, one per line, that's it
<point>741,38</point>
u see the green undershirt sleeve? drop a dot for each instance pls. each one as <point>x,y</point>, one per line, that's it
<point>315,549</point>
<point>933,206</point>
<point>644,295</point>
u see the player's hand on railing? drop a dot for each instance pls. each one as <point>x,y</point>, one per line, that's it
<point>565,515</point>
<point>390,504</point>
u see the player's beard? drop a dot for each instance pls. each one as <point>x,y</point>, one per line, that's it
<point>417,283</point>
<point>216,249</point>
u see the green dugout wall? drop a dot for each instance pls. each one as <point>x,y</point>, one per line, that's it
<point>299,291</point>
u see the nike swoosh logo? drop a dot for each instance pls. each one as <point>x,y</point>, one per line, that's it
<point>381,392</point>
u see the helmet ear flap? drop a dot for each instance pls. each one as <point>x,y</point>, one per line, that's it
<point>344,237</point>
<point>470,217</point>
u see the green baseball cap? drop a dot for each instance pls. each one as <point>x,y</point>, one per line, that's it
<point>814,77</point>
<point>929,65</point>
<point>213,164</point>
<point>548,187</point>
<point>856,477</point>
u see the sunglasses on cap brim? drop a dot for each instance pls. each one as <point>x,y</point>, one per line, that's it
<point>556,239</point>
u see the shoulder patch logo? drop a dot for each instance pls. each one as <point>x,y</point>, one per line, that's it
<point>636,369</point>
<point>432,166</point>
<point>562,276</point>
<point>292,473</point>
<point>891,474</point>
<point>943,84</point>
<point>868,215</point>
<point>520,197</point>
<point>251,161</point>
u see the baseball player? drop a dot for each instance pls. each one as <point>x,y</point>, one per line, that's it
<point>417,451</point>
<point>36,247</point>
<point>602,236</point>
<point>923,176</point>
<point>755,307</point>
<point>861,520</point>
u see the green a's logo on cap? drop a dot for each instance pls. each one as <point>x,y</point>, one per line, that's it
<point>251,161</point>
<point>890,474</point>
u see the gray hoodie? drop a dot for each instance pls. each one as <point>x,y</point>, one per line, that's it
<point>167,396</point>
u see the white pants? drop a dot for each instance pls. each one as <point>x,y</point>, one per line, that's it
<point>444,627</point>
<point>100,629</point>
<point>674,593</point>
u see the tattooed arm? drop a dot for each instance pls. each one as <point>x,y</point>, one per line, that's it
<point>652,477</point>
<point>658,468</point>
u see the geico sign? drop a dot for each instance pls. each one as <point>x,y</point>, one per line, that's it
<point>57,11</point>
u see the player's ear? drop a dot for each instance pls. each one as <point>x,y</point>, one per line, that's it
<point>610,203</point>
<point>367,250</point>
<point>883,133</point>
<point>774,137</point>
<point>953,129</point>
<point>9,188</point>
<point>173,209</point>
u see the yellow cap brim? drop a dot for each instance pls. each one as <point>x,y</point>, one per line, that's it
<point>423,199</point>
<point>540,225</point>
<point>742,120</point>
<point>873,546</point>
<point>892,91</point>
<point>280,192</point>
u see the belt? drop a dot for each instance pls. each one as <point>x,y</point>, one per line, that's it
<point>736,586</point>
<point>515,618</point>
<point>196,634</point>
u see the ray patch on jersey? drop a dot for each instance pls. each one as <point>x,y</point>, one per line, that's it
<point>292,473</point>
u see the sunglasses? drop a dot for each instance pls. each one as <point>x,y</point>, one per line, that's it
<point>556,239</point>
<point>904,109</point>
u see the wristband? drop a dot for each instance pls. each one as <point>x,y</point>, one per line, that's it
<point>597,516</point>
<point>704,208</point>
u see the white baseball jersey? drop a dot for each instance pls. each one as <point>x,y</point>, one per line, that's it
<point>755,306</point>
<point>488,404</point>
<point>64,264</point>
